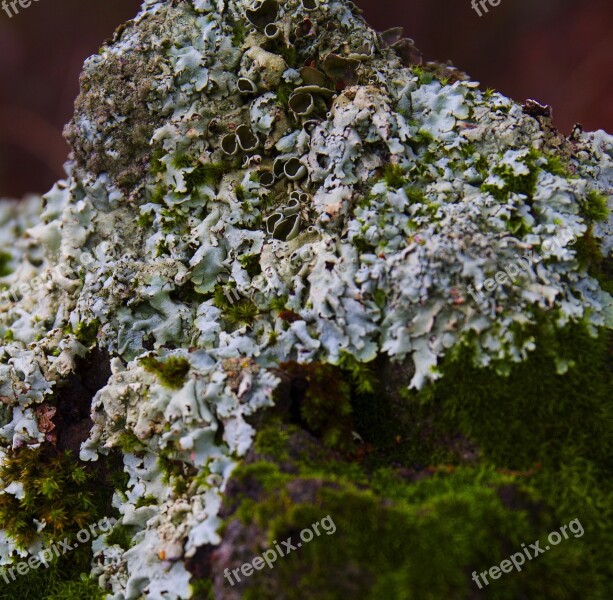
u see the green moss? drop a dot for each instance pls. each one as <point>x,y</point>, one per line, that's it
<point>129,443</point>
<point>278,303</point>
<point>171,372</point>
<point>394,176</point>
<point>5,259</point>
<point>157,197</point>
<point>120,535</point>
<point>176,473</point>
<point>594,207</point>
<point>284,91</point>
<point>535,414</point>
<point>86,332</point>
<point>202,589</point>
<point>240,192</point>
<point>289,54</point>
<point>181,161</point>
<point>424,77</point>
<point>517,184</point>
<point>236,310</point>
<point>556,166</point>
<point>540,441</point>
<point>251,264</point>
<point>77,590</point>
<point>156,166</point>
<point>239,33</point>
<point>321,399</point>
<point>204,174</point>
<point>591,258</point>
<point>145,220</point>
<point>146,501</point>
<point>405,538</point>
<point>56,490</point>
<point>65,579</point>
<point>362,375</point>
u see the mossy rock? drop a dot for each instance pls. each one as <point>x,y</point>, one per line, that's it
<point>438,484</point>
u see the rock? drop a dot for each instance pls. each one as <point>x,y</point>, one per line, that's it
<point>315,279</point>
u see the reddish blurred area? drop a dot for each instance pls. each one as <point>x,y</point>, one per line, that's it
<point>559,52</point>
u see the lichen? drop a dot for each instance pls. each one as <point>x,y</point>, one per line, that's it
<point>274,217</point>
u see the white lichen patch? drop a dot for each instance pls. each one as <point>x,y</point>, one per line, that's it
<point>354,192</point>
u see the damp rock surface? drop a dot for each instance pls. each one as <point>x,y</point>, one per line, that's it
<point>275,215</point>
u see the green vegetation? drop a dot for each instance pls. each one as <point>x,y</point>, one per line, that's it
<point>204,174</point>
<point>594,207</point>
<point>235,310</point>
<point>5,259</point>
<point>67,496</point>
<point>481,464</point>
<point>56,490</point>
<point>171,372</point>
<point>86,332</point>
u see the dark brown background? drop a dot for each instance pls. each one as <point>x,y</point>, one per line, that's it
<point>559,52</point>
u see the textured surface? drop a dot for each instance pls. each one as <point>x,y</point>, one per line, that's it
<point>253,186</point>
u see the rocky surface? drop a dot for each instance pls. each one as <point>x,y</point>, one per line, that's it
<point>276,219</point>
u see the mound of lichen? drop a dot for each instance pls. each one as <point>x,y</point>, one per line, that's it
<point>263,296</point>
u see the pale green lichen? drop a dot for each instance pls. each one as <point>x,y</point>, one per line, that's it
<point>388,193</point>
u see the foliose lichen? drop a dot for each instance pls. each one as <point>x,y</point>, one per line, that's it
<point>270,193</point>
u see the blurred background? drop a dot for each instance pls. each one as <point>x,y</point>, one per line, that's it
<point>559,52</point>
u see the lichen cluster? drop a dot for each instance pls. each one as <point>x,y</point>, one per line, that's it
<point>273,214</point>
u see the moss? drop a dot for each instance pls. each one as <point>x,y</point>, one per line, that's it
<point>517,184</point>
<point>556,166</point>
<point>321,401</point>
<point>86,332</point>
<point>181,161</point>
<point>156,166</point>
<point>251,264</point>
<point>236,310</point>
<point>394,176</point>
<point>146,501</point>
<point>202,589</point>
<point>121,535</point>
<point>240,192</point>
<point>239,33</point>
<point>65,579</point>
<point>204,174</point>
<point>424,77</point>
<point>412,539</point>
<point>171,372</point>
<point>541,440</point>
<point>128,442</point>
<point>362,375</point>
<point>284,91</point>
<point>590,257</point>
<point>56,490</point>
<point>5,259</point>
<point>145,220</point>
<point>77,590</point>
<point>157,196</point>
<point>594,207</point>
<point>289,54</point>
